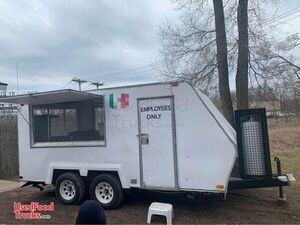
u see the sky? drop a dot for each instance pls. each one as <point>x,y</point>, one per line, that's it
<point>110,41</point>
<point>53,41</point>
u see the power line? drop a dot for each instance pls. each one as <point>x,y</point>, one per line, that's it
<point>129,71</point>
<point>281,16</point>
<point>72,85</point>
<point>149,66</point>
<point>128,74</point>
<point>66,84</point>
<point>287,20</point>
<point>139,74</point>
<point>124,78</point>
<point>131,75</point>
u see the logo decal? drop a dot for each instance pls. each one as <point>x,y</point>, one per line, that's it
<point>33,210</point>
<point>121,102</point>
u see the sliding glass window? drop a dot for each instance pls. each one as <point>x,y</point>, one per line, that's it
<point>67,122</point>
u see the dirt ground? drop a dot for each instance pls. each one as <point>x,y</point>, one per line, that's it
<point>244,206</point>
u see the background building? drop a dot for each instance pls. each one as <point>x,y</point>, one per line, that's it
<point>3,88</point>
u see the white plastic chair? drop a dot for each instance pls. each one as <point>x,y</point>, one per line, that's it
<point>162,209</point>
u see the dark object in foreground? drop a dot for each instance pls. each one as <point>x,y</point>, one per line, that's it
<point>91,212</point>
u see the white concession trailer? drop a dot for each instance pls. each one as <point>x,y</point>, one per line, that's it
<point>160,136</point>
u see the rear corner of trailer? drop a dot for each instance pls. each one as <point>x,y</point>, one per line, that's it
<point>206,142</point>
<point>27,158</point>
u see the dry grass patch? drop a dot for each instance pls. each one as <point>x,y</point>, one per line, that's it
<point>285,144</point>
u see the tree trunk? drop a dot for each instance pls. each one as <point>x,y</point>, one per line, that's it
<point>221,41</point>
<point>242,65</point>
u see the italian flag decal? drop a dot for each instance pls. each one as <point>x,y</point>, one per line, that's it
<point>119,102</point>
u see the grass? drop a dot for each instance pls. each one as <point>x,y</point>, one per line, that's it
<point>285,144</point>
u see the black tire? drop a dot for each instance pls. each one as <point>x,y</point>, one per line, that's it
<point>78,184</point>
<point>116,196</point>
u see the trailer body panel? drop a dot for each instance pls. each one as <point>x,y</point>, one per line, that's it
<point>194,149</point>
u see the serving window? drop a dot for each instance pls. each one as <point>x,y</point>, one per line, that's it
<point>68,122</point>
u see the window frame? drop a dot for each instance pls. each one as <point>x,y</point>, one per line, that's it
<point>65,144</point>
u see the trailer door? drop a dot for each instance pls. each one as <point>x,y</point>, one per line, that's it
<point>157,143</point>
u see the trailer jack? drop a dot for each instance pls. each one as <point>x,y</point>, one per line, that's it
<point>288,178</point>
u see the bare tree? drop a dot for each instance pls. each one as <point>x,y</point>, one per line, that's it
<point>197,50</point>
<point>243,51</point>
<point>272,63</point>
<point>189,47</point>
<point>224,90</point>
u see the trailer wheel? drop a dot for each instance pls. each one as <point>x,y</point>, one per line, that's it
<point>70,188</point>
<point>107,190</point>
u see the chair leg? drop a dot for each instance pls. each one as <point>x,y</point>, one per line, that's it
<point>169,218</point>
<point>149,217</point>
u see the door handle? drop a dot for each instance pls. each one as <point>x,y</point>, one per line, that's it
<point>144,138</point>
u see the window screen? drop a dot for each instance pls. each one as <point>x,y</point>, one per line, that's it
<point>75,121</point>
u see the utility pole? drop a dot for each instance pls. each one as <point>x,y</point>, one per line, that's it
<point>79,82</point>
<point>17,72</point>
<point>97,84</point>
